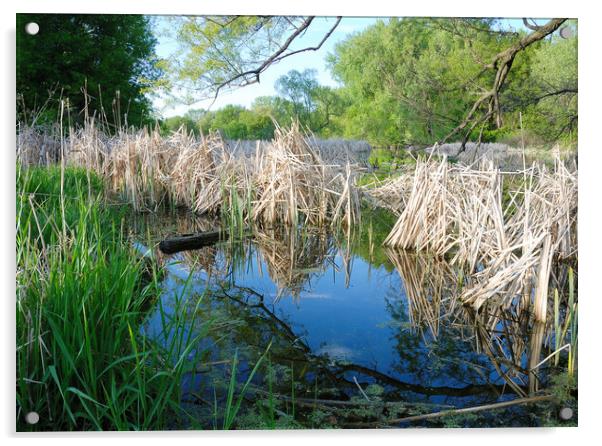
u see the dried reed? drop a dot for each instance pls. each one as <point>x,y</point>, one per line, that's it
<point>286,182</point>
<point>505,237</point>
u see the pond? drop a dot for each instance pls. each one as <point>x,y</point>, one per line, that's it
<point>348,333</point>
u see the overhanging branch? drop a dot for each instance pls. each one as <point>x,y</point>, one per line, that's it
<point>501,63</point>
<point>252,76</point>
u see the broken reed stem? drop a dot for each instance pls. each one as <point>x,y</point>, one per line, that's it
<point>543,279</point>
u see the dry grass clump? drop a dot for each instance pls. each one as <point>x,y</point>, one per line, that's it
<point>342,151</point>
<point>291,180</point>
<point>36,147</point>
<point>453,210</point>
<point>509,236</point>
<point>542,227</point>
<point>285,182</point>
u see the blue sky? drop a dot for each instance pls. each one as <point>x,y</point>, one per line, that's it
<point>311,59</point>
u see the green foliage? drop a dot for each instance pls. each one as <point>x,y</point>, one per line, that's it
<point>82,290</point>
<point>411,81</point>
<point>175,123</point>
<point>231,121</point>
<point>39,200</point>
<point>404,81</point>
<point>407,78</point>
<point>112,56</point>
<point>236,122</point>
<point>297,88</point>
<point>389,159</point>
<point>301,99</point>
<point>554,78</point>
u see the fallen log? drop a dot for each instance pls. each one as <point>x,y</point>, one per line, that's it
<point>187,242</point>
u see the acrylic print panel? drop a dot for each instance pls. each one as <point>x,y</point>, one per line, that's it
<point>239,222</point>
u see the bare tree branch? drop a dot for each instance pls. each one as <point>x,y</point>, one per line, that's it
<point>312,48</point>
<point>501,63</point>
<point>252,76</point>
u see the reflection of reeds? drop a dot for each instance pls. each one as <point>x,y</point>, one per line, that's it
<point>293,257</point>
<point>430,284</point>
<point>515,345</point>
<point>513,342</point>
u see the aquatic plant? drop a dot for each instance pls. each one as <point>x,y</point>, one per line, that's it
<point>82,293</point>
<point>459,211</point>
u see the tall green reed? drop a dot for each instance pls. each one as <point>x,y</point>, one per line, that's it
<point>82,361</point>
<point>233,405</point>
<point>565,332</point>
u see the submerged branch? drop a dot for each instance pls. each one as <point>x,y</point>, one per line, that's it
<point>429,416</point>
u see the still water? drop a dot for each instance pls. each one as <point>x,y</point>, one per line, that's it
<point>344,319</point>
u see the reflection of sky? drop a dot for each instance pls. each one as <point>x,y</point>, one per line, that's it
<point>349,323</point>
<point>307,60</point>
<point>364,323</point>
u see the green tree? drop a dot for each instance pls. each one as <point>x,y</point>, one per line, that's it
<point>106,62</point>
<point>237,122</point>
<point>298,89</point>
<point>410,79</point>
<point>551,106</point>
<point>315,106</point>
<point>418,81</point>
<point>175,123</point>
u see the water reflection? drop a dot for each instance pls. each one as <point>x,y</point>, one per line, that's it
<point>341,314</point>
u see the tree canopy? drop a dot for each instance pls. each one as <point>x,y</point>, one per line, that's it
<point>106,62</point>
<point>406,80</point>
<point>415,81</point>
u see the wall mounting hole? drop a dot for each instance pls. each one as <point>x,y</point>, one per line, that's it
<point>32,418</point>
<point>566,413</point>
<point>566,32</point>
<point>32,28</point>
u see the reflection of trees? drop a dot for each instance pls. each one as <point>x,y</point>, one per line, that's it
<point>263,325</point>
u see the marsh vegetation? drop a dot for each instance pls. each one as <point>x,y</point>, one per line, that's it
<point>332,304</point>
<point>396,251</point>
